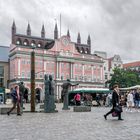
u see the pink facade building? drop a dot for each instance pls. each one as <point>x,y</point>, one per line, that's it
<point>63,60</point>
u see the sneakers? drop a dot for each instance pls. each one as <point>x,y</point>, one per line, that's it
<point>105,117</point>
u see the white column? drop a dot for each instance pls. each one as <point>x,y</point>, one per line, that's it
<point>83,69</point>
<point>95,73</point>
<point>44,66</point>
<point>71,70</point>
<point>92,72</point>
<point>57,70</point>
<point>101,73</point>
<point>19,67</point>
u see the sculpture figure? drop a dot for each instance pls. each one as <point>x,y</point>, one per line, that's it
<point>65,87</point>
<point>49,104</point>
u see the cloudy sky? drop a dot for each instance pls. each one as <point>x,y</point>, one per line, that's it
<point>114,25</point>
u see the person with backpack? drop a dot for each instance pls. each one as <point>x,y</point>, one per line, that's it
<point>16,100</point>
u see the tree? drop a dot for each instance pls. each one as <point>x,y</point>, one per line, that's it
<point>124,78</point>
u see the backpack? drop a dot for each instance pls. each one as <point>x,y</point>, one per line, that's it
<point>14,95</point>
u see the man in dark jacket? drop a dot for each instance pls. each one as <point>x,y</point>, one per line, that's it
<point>115,102</point>
<point>16,100</point>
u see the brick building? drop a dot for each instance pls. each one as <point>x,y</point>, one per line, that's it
<point>64,59</point>
<point>134,66</point>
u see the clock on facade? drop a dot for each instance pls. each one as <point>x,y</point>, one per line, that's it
<point>65,41</point>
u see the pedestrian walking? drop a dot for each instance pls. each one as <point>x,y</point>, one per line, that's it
<point>115,102</point>
<point>137,96</point>
<point>16,100</point>
<point>98,100</point>
<point>130,101</point>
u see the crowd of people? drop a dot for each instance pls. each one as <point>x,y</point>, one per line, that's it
<point>132,100</point>
<point>129,99</point>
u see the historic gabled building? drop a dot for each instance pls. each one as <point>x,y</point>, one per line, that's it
<point>109,64</point>
<point>59,57</point>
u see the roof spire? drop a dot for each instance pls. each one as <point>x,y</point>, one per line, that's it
<point>55,32</point>
<point>89,40</point>
<point>13,28</point>
<point>13,31</point>
<point>79,38</point>
<point>28,30</point>
<point>43,31</point>
<point>68,33</point>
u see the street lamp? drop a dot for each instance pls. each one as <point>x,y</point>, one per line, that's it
<point>33,79</point>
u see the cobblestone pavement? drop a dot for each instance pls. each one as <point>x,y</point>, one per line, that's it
<point>69,125</point>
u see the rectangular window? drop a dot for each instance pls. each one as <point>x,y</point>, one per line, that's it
<point>106,77</point>
<point>41,76</point>
<point>22,75</point>
<point>62,65</point>
<point>29,75</point>
<point>1,71</point>
<point>1,82</point>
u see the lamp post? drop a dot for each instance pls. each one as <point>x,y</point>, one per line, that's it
<point>33,79</point>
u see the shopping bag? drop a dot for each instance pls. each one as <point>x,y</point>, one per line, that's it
<point>118,109</point>
<point>114,114</point>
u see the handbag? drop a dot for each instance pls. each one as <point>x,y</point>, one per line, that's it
<point>114,114</point>
<point>118,109</point>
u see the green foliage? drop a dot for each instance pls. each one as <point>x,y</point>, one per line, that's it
<point>124,78</point>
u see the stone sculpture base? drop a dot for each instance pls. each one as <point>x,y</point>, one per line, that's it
<point>49,106</point>
<point>4,110</point>
<point>81,108</point>
<point>65,108</point>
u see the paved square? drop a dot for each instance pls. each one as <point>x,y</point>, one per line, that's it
<point>69,125</point>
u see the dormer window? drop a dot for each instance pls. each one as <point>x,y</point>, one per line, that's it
<point>32,44</point>
<point>39,45</point>
<point>18,42</point>
<point>25,43</point>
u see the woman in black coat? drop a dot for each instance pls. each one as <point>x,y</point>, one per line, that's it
<point>115,102</point>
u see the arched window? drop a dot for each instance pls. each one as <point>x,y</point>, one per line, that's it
<point>33,43</point>
<point>87,51</point>
<point>83,51</point>
<point>26,42</point>
<point>39,44</point>
<point>18,41</point>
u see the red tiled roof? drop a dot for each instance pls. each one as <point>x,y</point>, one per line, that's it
<point>132,64</point>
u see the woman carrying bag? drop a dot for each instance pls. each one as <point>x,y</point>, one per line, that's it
<point>115,103</point>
